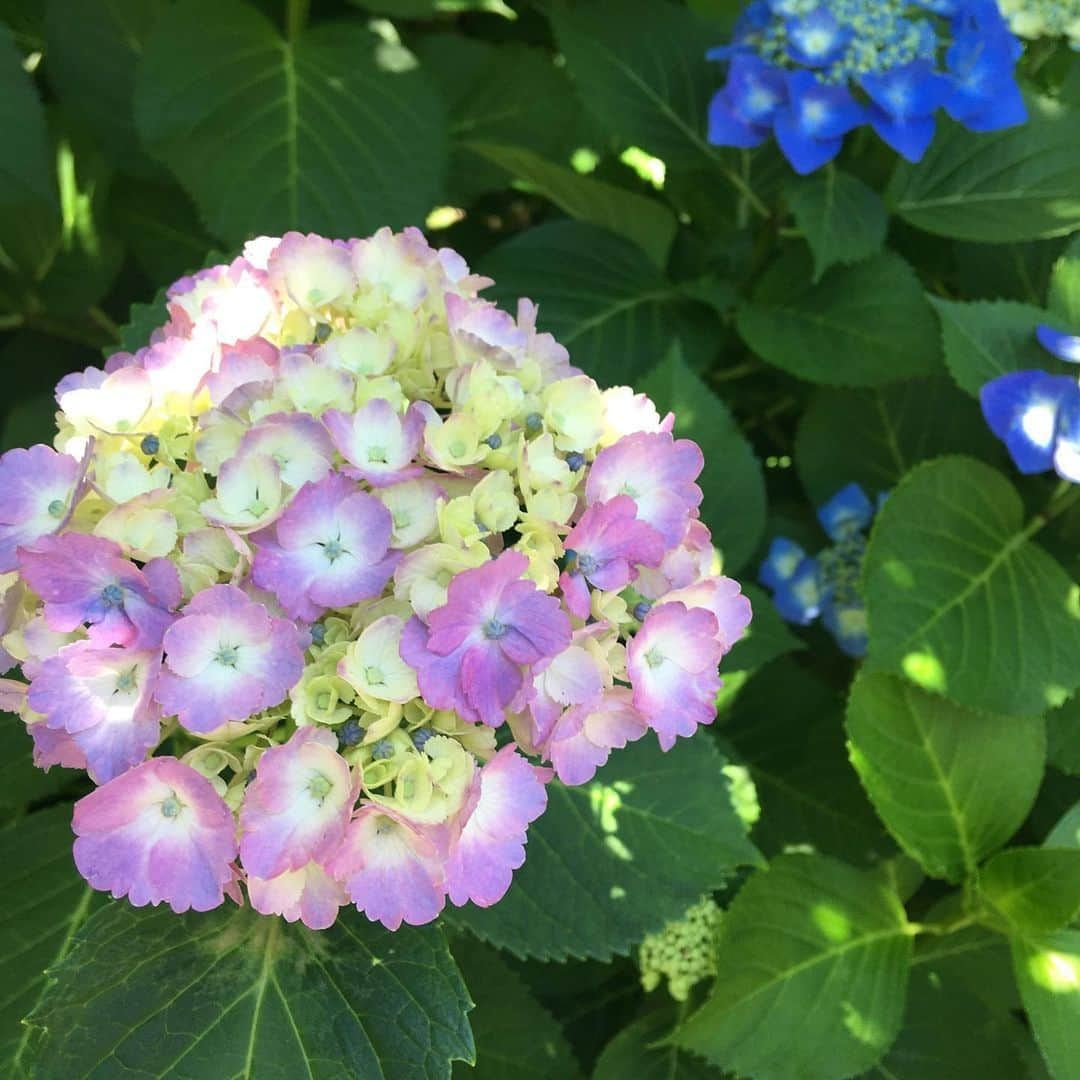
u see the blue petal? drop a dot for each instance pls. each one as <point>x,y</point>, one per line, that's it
<point>847,624</point>
<point>911,138</point>
<point>756,90</point>
<point>1064,346</point>
<point>798,600</point>
<point>1022,409</point>
<point>781,562</point>
<point>803,151</point>
<point>908,92</point>
<point>1067,447</point>
<point>728,128</point>
<point>817,39</point>
<point>849,511</point>
<point>1007,109</point>
<point>823,111</point>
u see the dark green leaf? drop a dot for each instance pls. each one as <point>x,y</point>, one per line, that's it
<point>640,67</point>
<point>617,858</point>
<point>734,504</point>
<point>639,1051</point>
<point>1064,299</point>
<point>1063,737</point>
<point>950,784</point>
<point>515,1036</point>
<point>21,782</point>
<point>989,338</point>
<point>1066,833</point>
<point>1048,975</point>
<point>861,325</point>
<point>1020,183</point>
<point>309,134</point>
<point>873,437</point>
<point>1035,890</point>
<point>812,967</point>
<point>961,601</point>
<point>46,903</point>
<point>232,993</point>
<point>143,320</point>
<point>599,295</point>
<point>843,220</point>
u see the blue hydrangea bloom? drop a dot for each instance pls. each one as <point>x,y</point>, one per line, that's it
<point>1036,414</point>
<point>809,71</point>
<point>826,586</point>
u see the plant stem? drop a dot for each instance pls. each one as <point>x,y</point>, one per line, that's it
<point>296,14</point>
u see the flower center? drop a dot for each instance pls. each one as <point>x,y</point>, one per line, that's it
<point>126,681</point>
<point>374,676</point>
<point>494,629</point>
<point>227,656</point>
<point>377,455</point>
<point>333,549</point>
<point>171,806</point>
<point>113,595</point>
<point>57,508</point>
<point>586,564</point>
<point>319,787</point>
<point>654,657</point>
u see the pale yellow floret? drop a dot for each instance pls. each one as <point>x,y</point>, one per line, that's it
<point>684,952</point>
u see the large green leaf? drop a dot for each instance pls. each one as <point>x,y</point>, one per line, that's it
<point>786,726</point>
<point>1063,737</point>
<point>732,481</point>
<point>812,967</point>
<point>639,1051</point>
<point>516,1037</point>
<point>873,437</point>
<point>1035,890</point>
<point>599,295</point>
<point>271,134</point>
<point>645,222</point>
<point>92,48</point>
<point>843,220</point>
<point>985,339</point>
<point>1066,833</point>
<point>861,325</point>
<point>617,858</point>
<point>45,903</point>
<point>1048,976</point>
<point>1017,184</point>
<point>234,994</point>
<point>950,784</point>
<point>1064,295</point>
<point>640,68</point>
<point>961,601</point>
<point>21,782</point>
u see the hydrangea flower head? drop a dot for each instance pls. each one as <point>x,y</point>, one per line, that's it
<point>1043,19</point>
<point>323,586</point>
<point>826,586</point>
<point>810,72</point>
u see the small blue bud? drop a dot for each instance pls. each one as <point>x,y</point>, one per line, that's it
<point>350,733</point>
<point>534,422</point>
<point>420,737</point>
<point>494,441</point>
<point>575,460</point>
<point>642,609</point>
<point>384,749</point>
<point>150,445</point>
<point>318,634</point>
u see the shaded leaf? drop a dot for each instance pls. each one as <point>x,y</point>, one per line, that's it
<point>812,968</point>
<point>1048,976</point>
<point>861,325</point>
<point>234,993</point>
<point>961,601</point>
<point>952,785</point>
<point>1064,298</point>
<point>21,782</point>
<point>640,1051</point>
<point>1035,890</point>
<point>618,857</point>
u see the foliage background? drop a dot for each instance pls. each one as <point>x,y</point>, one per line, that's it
<point>809,333</point>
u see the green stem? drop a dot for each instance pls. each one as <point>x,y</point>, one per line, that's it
<point>745,190</point>
<point>98,316</point>
<point>296,14</point>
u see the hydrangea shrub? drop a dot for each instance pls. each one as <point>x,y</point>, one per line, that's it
<point>673,673</point>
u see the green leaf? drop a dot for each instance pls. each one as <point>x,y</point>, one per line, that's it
<point>873,437</point>
<point>1035,890</point>
<point>617,858</point>
<point>643,221</point>
<point>786,726</point>
<point>732,479</point>
<point>950,784</point>
<point>516,1037</point>
<point>143,320</point>
<point>861,325</point>
<point>640,1051</point>
<point>812,967</point>
<point>599,295</point>
<point>1020,183</point>
<point>1064,298</point>
<point>21,782</point>
<point>1048,976</point>
<point>1066,833</point>
<point>985,339</point>
<point>46,902</point>
<point>233,993</point>
<point>1063,737</point>
<point>843,220</point>
<point>640,68</point>
<point>308,134</point>
<point>961,601</point>
<point>92,48</point>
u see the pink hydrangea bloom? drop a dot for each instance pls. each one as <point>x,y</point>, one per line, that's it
<point>312,270</point>
<point>296,809</point>
<point>657,472</point>
<point>585,735</point>
<point>604,549</point>
<point>390,868</point>
<point>377,441</point>
<point>297,442</point>
<point>53,747</point>
<point>85,580</point>
<point>37,487</point>
<point>226,658</point>
<point>159,832</point>
<point>308,895</point>
<point>331,548</point>
<point>724,598</point>
<point>489,845</point>
<point>672,661</point>
<point>103,699</point>
<point>471,654</point>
